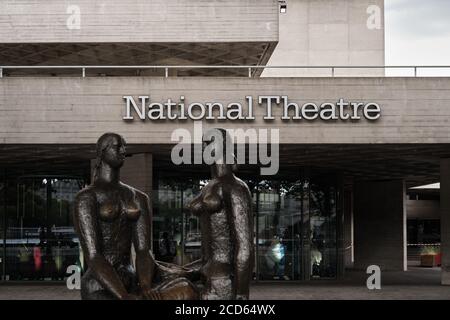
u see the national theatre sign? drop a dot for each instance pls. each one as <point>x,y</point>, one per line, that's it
<point>143,108</point>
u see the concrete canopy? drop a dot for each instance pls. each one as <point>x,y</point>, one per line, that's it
<point>138,32</point>
<point>415,163</point>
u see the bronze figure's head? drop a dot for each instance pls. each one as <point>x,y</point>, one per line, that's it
<point>110,151</point>
<point>220,145</point>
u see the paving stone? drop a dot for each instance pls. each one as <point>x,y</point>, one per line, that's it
<point>415,284</point>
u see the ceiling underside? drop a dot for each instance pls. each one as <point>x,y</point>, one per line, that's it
<point>138,54</point>
<point>417,164</point>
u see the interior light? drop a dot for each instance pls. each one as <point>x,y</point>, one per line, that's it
<point>283,6</point>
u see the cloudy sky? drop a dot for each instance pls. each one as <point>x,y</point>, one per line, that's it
<point>417,32</point>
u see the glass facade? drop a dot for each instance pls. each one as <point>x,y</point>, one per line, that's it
<point>424,231</point>
<point>279,228</point>
<point>322,213</point>
<point>39,240</point>
<point>295,226</point>
<point>2,227</point>
<point>176,233</point>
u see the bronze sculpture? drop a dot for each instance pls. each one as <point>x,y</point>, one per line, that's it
<point>110,216</point>
<point>226,220</point>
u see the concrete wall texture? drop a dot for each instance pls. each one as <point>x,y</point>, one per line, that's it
<point>330,32</point>
<point>380,225</point>
<point>50,21</point>
<point>78,110</point>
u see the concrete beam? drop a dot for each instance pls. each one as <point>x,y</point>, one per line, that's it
<point>423,209</point>
<point>78,110</point>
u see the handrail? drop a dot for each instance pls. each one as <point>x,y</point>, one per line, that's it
<point>423,244</point>
<point>250,69</point>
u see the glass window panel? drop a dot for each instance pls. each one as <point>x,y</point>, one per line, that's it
<point>167,223</point>
<point>295,226</point>
<point>192,234</point>
<point>2,229</point>
<point>176,232</point>
<point>40,238</point>
<point>322,211</point>
<point>279,224</point>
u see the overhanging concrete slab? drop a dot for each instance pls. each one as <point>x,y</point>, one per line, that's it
<point>87,21</point>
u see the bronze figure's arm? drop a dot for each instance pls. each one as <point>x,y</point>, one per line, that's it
<point>207,201</point>
<point>196,205</point>
<point>85,216</point>
<point>145,262</point>
<point>242,238</point>
<point>212,202</point>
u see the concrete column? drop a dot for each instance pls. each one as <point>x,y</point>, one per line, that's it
<point>445,220</point>
<point>380,225</point>
<point>137,172</point>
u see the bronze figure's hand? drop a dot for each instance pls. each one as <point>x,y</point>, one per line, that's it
<point>131,297</point>
<point>151,294</point>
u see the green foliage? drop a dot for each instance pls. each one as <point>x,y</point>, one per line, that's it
<point>430,250</point>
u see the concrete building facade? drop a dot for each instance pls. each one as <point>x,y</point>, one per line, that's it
<point>327,33</point>
<point>340,197</point>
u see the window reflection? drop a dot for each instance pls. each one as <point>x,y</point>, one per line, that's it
<point>295,229</point>
<point>322,211</point>
<point>279,225</point>
<point>2,230</point>
<point>176,232</point>
<point>40,238</point>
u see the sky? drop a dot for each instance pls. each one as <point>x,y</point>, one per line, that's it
<point>417,32</point>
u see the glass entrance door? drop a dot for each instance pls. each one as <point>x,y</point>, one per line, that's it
<point>40,238</point>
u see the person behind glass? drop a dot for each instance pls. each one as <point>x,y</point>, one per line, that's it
<point>109,217</point>
<point>38,250</point>
<point>226,222</point>
<point>167,248</point>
